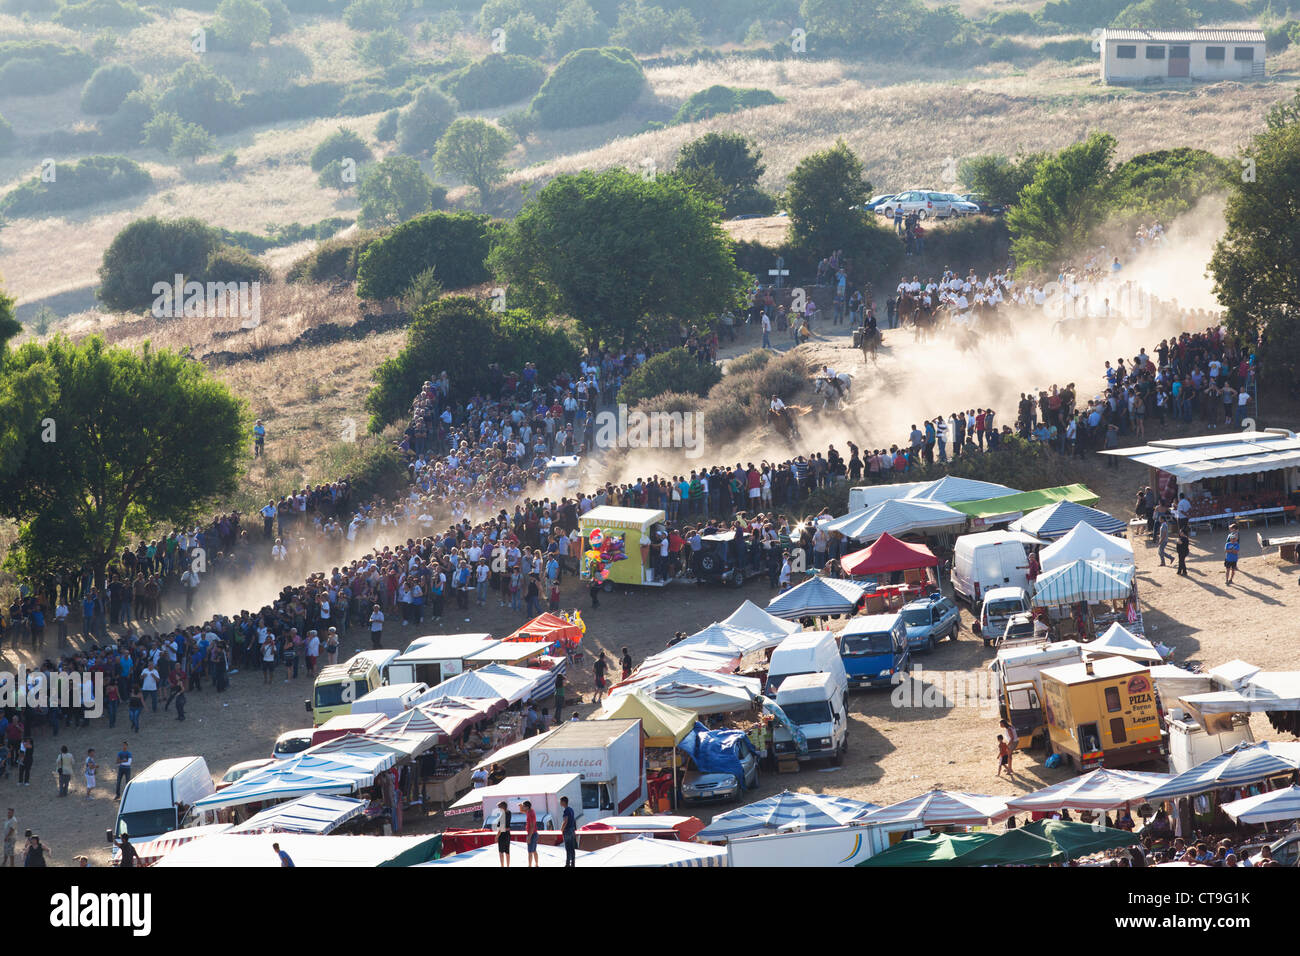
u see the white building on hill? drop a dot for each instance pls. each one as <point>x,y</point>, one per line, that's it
<point>1144,56</point>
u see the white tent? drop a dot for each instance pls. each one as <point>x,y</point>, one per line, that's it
<point>1119,641</point>
<point>703,693</point>
<point>1084,542</point>
<point>951,488</point>
<point>944,808</point>
<point>897,517</point>
<point>726,637</point>
<point>1268,807</point>
<point>811,811</point>
<point>1243,764</point>
<point>751,617</point>
<point>314,813</point>
<point>707,659</point>
<point>647,851</point>
<point>1098,790</point>
<point>487,856</point>
<point>254,849</point>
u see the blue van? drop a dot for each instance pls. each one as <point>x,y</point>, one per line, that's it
<point>874,648</point>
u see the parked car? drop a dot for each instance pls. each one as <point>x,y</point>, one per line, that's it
<point>985,207</point>
<point>291,743</point>
<point>242,769</point>
<point>700,787</point>
<point>714,562</point>
<point>874,202</point>
<point>925,203</point>
<point>960,206</point>
<point>930,620</point>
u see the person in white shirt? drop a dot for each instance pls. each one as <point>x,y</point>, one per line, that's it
<point>376,626</point>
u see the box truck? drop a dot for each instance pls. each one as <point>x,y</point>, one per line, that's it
<point>608,756</point>
<point>1102,713</point>
<point>432,660</point>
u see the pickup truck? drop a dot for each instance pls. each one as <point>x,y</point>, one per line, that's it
<point>930,620</point>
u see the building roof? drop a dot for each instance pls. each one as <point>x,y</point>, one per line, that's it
<point>1219,456</point>
<point>1102,669</point>
<point>1187,36</point>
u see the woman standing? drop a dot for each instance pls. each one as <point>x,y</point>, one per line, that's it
<point>503,832</point>
<point>134,705</point>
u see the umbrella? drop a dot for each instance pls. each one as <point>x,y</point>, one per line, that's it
<point>936,849</point>
<point>938,808</point>
<point>1243,764</point>
<point>1079,839</point>
<point>1098,790</point>
<point>1268,807</point>
<point>1083,580</point>
<point>815,811</point>
<point>817,597</point>
<point>1119,641</point>
<point>1057,520</point>
<point>1012,848</point>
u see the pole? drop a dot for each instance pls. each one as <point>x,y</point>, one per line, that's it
<point>674,776</point>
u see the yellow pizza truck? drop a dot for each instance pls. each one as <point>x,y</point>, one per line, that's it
<point>1102,713</point>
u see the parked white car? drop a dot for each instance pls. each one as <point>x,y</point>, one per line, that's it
<point>291,743</point>
<point>924,202</point>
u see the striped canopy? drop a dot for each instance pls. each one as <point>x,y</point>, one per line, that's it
<point>646,851</point>
<point>896,516</point>
<point>1243,764</point>
<point>1090,581</point>
<point>951,488</point>
<point>314,813</point>
<point>737,640</point>
<point>816,597</point>
<point>1266,807</point>
<point>816,811</point>
<point>939,808</point>
<point>1057,520</point>
<point>1098,790</point>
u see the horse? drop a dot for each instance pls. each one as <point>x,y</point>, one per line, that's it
<point>784,422</point>
<point>870,342</point>
<point>837,388</point>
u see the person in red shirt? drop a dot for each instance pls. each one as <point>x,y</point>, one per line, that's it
<point>530,828</point>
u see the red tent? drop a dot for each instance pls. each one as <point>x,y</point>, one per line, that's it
<point>549,628</point>
<point>886,555</point>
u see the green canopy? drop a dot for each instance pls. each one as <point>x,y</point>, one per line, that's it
<point>430,849</point>
<point>937,850</point>
<point>1079,839</point>
<point>1014,847</point>
<point>1013,506</point>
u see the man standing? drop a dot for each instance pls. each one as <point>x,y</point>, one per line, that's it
<point>190,581</point>
<point>598,669</point>
<point>123,768</point>
<point>10,837</point>
<point>1231,551</point>
<point>63,767</point>
<point>285,860</point>
<point>259,438</point>
<point>1163,536</point>
<point>530,828</point>
<point>1183,547</point>
<point>569,828</point>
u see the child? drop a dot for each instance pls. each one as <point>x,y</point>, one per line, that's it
<point>1004,756</point>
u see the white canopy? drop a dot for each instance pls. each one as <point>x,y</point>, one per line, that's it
<point>647,851</point>
<point>314,813</point>
<point>1084,542</point>
<point>951,488</point>
<point>897,516</point>
<point>1090,581</point>
<point>487,856</point>
<point>944,808</point>
<point>1119,641</point>
<point>703,693</point>
<point>751,617</point>
<point>697,657</point>
<point>738,640</point>
<point>1268,807</point>
<point>812,811</point>
<point>1244,763</point>
<point>1098,790</point>
<point>254,849</point>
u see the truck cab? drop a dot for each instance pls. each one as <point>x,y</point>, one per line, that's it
<point>874,648</point>
<point>814,706</point>
<point>338,686</point>
<point>162,798</point>
<point>998,607</point>
<point>929,620</point>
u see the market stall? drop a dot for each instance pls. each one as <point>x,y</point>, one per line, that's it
<point>696,691</point>
<point>1119,641</point>
<point>1059,519</point>
<point>817,597</point>
<point>951,488</point>
<point>664,727</point>
<point>1085,597</point>
<point>937,849</point>
<point>622,538</point>
<point>648,852</point>
<point>813,810</point>
<point>894,571</point>
<point>314,813</point>
<point>1085,542</point>
<point>897,516</point>
<point>1098,790</point>
<point>550,628</point>
<point>750,617</point>
<point>944,808</point>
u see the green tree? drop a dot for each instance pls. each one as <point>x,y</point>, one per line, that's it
<point>9,325</point>
<point>1157,15</point>
<point>1068,199</point>
<point>161,129</point>
<point>731,160</point>
<point>454,244</point>
<point>473,150</point>
<point>822,193</point>
<point>125,440</point>
<point>998,178</point>
<point>576,28</point>
<point>589,86</point>
<point>340,144</point>
<point>241,23</point>
<point>619,253</point>
<point>392,191</point>
<point>152,250</point>
<point>676,370</point>
<point>1256,263</point>
<point>107,88</point>
<point>422,124</point>
<point>190,142</point>
<point>383,48</point>
<point>198,95</point>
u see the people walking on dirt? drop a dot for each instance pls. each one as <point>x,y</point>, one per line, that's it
<point>598,669</point>
<point>1004,757</point>
<point>88,768</point>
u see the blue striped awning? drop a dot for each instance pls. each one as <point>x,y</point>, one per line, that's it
<point>1243,764</point>
<point>816,597</point>
<point>815,811</point>
<point>1057,520</point>
<point>1090,581</point>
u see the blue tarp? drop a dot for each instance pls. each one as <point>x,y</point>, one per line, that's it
<point>717,751</point>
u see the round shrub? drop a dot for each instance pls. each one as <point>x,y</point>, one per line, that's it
<point>107,88</point>
<point>495,80</point>
<point>589,86</point>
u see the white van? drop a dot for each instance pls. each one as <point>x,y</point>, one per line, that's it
<point>814,704</point>
<point>161,799</point>
<point>1000,605</point>
<point>808,652</point>
<point>433,659</point>
<point>988,560</point>
<point>391,699</point>
<point>381,659</point>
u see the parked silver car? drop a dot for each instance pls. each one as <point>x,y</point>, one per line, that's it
<point>924,202</point>
<point>701,787</point>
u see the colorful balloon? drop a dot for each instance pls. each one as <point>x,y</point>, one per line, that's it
<point>597,536</point>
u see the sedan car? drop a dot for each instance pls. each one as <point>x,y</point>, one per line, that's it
<point>700,787</point>
<point>875,202</point>
<point>291,743</point>
<point>242,769</point>
<point>960,206</point>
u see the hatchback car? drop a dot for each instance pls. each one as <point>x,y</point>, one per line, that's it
<point>242,769</point>
<point>925,203</point>
<point>701,787</point>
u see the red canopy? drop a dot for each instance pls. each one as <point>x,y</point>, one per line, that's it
<point>549,628</point>
<point>888,554</point>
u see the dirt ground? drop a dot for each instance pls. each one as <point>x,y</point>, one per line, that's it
<point>895,751</point>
